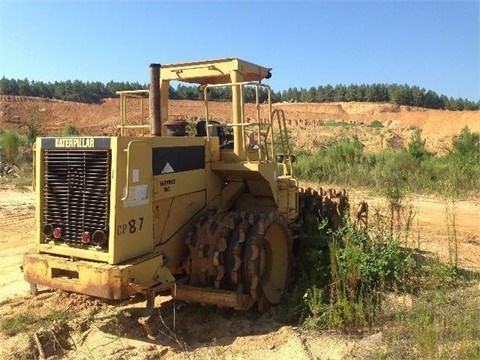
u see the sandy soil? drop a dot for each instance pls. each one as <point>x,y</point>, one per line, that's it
<point>16,235</point>
<point>109,330</point>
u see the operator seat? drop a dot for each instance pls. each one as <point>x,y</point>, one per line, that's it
<point>224,141</point>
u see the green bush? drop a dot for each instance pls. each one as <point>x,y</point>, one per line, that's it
<point>341,163</point>
<point>11,142</point>
<point>341,286</point>
<point>467,144</point>
<point>376,124</point>
<point>416,146</point>
<point>70,130</point>
<point>395,168</point>
<point>464,161</point>
<point>362,267</point>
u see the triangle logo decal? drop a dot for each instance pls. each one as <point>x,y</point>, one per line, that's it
<point>167,169</point>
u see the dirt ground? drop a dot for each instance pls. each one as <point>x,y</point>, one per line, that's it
<point>109,330</point>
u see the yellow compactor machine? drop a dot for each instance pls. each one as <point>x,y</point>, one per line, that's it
<point>214,217</point>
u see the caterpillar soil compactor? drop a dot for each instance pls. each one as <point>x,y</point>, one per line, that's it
<point>214,218</point>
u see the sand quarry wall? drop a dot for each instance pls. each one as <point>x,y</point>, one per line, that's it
<point>103,119</point>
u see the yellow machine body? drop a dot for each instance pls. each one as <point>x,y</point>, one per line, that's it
<point>122,215</point>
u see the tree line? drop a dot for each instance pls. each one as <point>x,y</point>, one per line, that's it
<point>78,91</point>
<point>94,92</point>
<point>383,93</point>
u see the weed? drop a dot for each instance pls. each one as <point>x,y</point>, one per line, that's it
<point>363,266</point>
<point>451,231</point>
<point>314,300</point>
<point>18,323</point>
<point>444,321</point>
<point>28,322</point>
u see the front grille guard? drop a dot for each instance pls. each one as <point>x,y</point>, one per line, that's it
<point>76,192</point>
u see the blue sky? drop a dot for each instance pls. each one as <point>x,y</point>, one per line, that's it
<point>432,44</point>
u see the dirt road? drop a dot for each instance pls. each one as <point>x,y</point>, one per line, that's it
<point>110,330</point>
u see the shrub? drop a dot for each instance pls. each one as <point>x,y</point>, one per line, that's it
<point>10,142</point>
<point>416,146</point>
<point>467,144</point>
<point>414,169</point>
<point>363,266</point>
<point>70,130</point>
<point>394,168</point>
<point>464,161</point>
<point>341,163</point>
<point>376,124</point>
<point>33,126</point>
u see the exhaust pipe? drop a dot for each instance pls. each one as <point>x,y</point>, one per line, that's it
<point>154,100</point>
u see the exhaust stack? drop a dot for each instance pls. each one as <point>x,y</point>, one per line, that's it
<point>154,100</point>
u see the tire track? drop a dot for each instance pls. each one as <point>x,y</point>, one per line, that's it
<point>11,219</point>
<point>16,207</point>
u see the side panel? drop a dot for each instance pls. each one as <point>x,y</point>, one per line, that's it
<point>174,218</point>
<point>167,219</point>
<point>179,192</point>
<point>39,185</point>
<point>131,220</point>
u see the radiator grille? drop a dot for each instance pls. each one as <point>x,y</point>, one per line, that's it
<point>76,191</point>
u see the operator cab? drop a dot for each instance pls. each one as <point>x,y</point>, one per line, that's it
<point>245,139</point>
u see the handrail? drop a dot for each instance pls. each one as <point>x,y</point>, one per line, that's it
<point>285,145</point>
<point>124,95</point>
<point>242,124</point>
<point>127,171</point>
